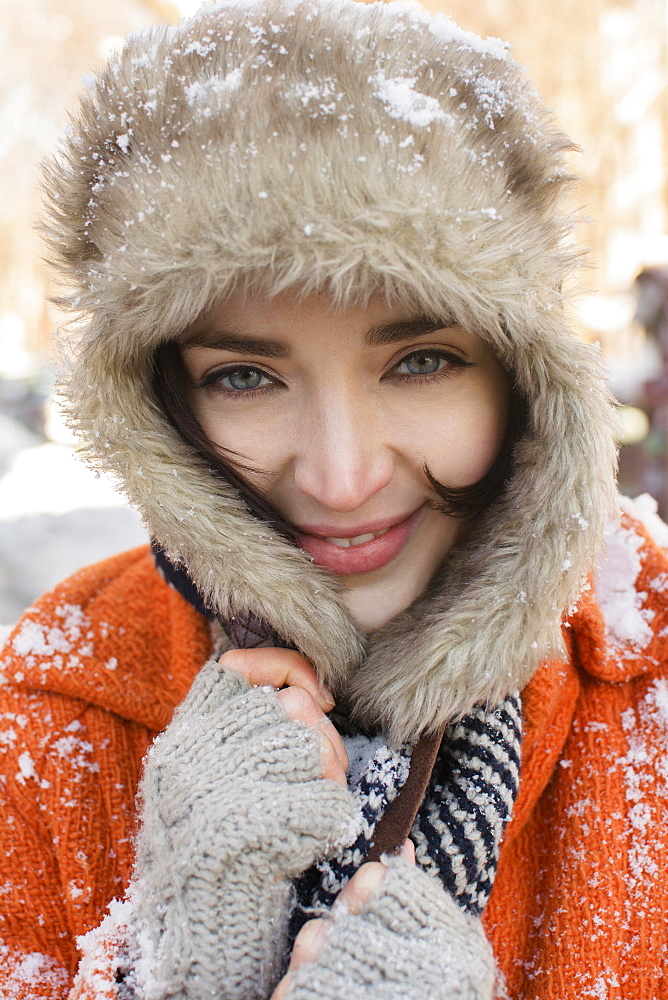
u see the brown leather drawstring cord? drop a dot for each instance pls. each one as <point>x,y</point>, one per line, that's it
<point>395,824</point>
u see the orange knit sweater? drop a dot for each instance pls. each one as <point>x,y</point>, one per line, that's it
<point>580,905</point>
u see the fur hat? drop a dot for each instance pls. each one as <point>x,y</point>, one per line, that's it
<point>348,148</point>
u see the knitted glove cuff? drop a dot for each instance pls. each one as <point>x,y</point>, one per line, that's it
<point>410,941</point>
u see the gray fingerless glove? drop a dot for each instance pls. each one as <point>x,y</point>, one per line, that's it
<point>411,941</point>
<point>233,805</point>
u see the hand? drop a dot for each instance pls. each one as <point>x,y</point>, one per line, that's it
<point>300,694</point>
<point>353,897</point>
<point>234,805</point>
<point>393,935</point>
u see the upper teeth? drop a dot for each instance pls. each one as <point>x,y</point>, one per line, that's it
<point>345,543</point>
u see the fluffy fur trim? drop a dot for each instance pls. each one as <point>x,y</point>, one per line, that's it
<point>347,148</point>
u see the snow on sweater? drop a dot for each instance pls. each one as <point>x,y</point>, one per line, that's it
<point>580,905</point>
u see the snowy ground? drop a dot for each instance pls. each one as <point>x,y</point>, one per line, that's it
<point>55,517</point>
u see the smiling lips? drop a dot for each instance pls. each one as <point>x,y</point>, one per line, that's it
<point>345,555</point>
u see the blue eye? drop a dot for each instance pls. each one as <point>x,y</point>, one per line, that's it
<point>238,381</point>
<point>422,363</point>
<point>243,379</point>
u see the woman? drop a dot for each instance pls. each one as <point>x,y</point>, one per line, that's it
<point>318,252</point>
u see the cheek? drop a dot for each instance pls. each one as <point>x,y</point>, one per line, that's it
<point>254,438</point>
<point>464,441</point>
<point>209,419</point>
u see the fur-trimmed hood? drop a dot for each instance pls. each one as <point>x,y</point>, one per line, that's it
<point>350,148</point>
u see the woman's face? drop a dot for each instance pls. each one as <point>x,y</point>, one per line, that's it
<point>338,412</point>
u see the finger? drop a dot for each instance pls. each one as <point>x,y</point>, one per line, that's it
<point>300,706</point>
<point>282,989</point>
<point>308,943</point>
<point>408,851</point>
<point>366,880</point>
<point>278,668</point>
<point>332,767</point>
<point>307,947</point>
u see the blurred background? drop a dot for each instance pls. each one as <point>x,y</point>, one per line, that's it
<point>601,65</point>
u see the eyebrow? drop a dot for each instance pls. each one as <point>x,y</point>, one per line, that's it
<point>389,333</point>
<point>393,333</point>
<point>221,340</point>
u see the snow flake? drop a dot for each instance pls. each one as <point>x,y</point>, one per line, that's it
<point>599,989</point>
<point>403,102</point>
<point>40,640</point>
<point>49,640</point>
<point>448,31</point>
<point>74,891</point>
<point>360,749</point>
<point>640,816</point>
<point>645,508</point>
<point>27,770</point>
<point>77,752</point>
<point>27,974</point>
<point>201,48</point>
<point>320,99</point>
<point>644,770</point>
<point>655,704</point>
<point>200,93</point>
<point>493,97</point>
<point>627,621</point>
<point>74,619</point>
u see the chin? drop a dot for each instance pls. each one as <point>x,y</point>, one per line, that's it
<point>372,607</point>
<point>376,597</point>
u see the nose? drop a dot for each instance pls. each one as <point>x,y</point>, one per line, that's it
<point>343,457</point>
